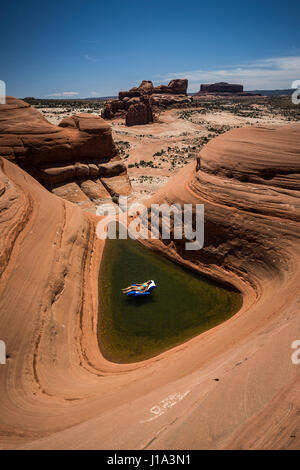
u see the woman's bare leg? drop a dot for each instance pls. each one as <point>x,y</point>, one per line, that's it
<point>128,289</point>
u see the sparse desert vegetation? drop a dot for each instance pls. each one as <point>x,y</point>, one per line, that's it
<point>160,149</point>
<point>56,109</point>
<point>176,137</point>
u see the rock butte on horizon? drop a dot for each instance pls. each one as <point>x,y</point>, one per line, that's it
<point>223,89</point>
<point>76,159</point>
<point>58,392</point>
<point>137,103</point>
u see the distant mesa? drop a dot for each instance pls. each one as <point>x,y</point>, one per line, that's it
<point>77,159</point>
<point>136,109</point>
<point>221,87</point>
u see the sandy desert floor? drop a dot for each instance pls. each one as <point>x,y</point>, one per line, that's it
<point>155,152</point>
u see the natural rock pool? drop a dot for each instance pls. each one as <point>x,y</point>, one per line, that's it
<point>183,305</point>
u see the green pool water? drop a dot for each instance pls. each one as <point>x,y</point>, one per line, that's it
<point>183,305</point>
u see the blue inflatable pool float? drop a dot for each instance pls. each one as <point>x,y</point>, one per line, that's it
<point>138,293</point>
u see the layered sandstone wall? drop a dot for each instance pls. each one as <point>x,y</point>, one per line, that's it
<point>252,175</point>
<point>81,148</point>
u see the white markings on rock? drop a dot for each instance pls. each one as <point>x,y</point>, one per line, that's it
<point>165,404</point>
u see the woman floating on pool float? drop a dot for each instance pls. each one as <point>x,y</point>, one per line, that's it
<point>140,289</point>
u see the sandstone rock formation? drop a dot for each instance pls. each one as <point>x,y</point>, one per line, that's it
<point>140,113</point>
<point>234,386</point>
<point>175,87</point>
<point>165,101</point>
<point>145,88</point>
<point>221,87</point>
<point>163,96</point>
<point>81,148</point>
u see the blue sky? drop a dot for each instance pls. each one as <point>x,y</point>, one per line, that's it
<point>95,48</point>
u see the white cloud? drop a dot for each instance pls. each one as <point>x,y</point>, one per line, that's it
<point>94,93</point>
<point>91,58</point>
<point>270,73</point>
<point>64,93</point>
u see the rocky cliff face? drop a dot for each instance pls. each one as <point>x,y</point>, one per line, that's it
<point>140,113</point>
<point>253,173</point>
<point>221,87</point>
<point>80,149</point>
<point>163,96</point>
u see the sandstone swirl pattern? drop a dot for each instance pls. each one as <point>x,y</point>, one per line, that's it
<point>77,160</point>
<point>56,389</point>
